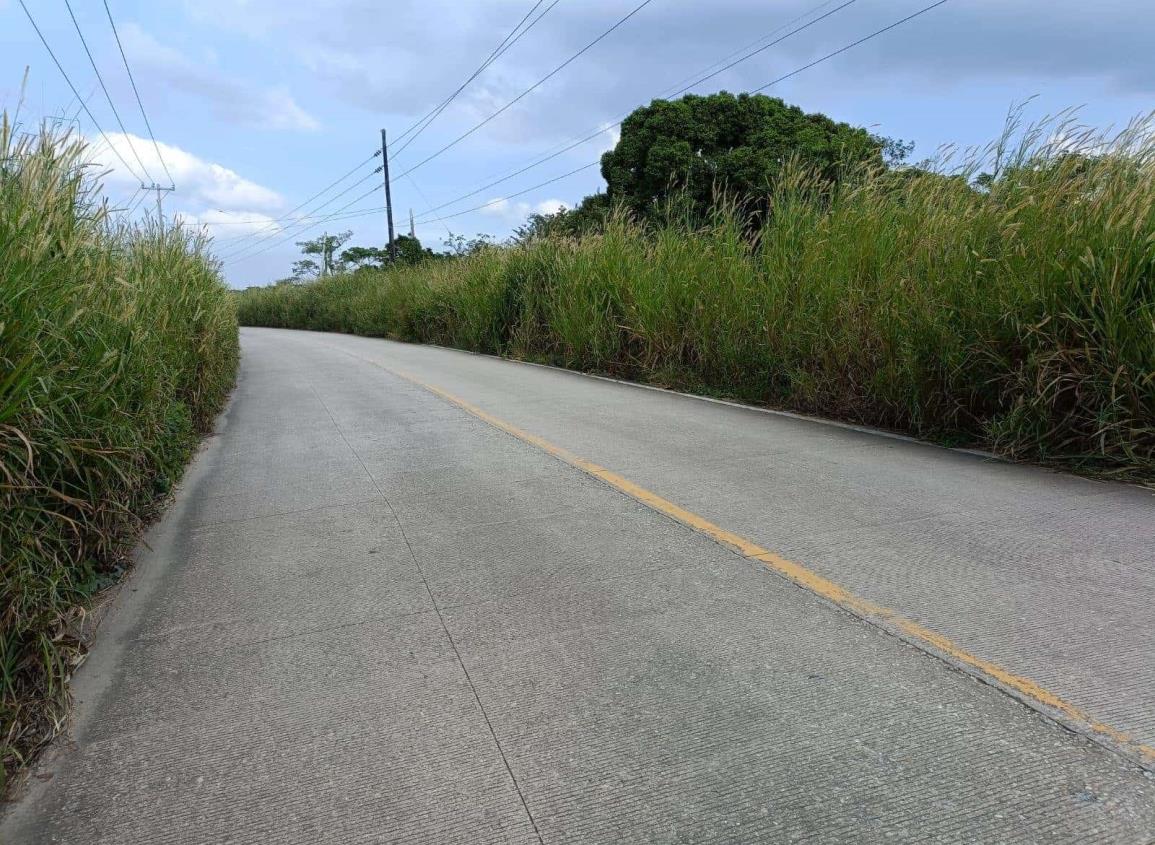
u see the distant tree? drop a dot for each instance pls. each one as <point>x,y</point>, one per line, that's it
<point>306,268</point>
<point>363,257</point>
<point>410,251</point>
<point>689,148</point>
<point>459,246</point>
<point>895,151</point>
<point>324,247</point>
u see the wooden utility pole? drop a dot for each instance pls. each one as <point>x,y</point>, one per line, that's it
<point>388,196</point>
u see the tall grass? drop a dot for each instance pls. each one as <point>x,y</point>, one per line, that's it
<point>117,347</point>
<point>1019,316</point>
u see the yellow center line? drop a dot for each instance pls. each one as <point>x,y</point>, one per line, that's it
<point>1024,688</point>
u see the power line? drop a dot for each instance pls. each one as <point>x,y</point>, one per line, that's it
<point>795,72</point>
<point>140,195</point>
<point>104,88</point>
<point>422,193</point>
<point>530,89</point>
<point>749,46</point>
<point>510,39</point>
<point>698,81</point>
<point>338,216</point>
<point>83,102</point>
<point>493,54</point>
<point>606,127</point>
<point>423,122</point>
<point>852,45</point>
<point>508,42</point>
<point>243,247</point>
<point>263,236</point>
<point>288,215</point>
<point>497,53</point>
<point>243,256</point>
<point>136,92</point>
<point>500,200</point>
<point>571,146</point>
<point>773,82</point>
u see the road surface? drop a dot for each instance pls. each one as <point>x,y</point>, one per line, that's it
<point>408,594</point>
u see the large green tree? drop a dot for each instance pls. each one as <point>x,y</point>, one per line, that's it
<point>692,147</point>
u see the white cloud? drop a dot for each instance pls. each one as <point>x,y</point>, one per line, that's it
<point>611,136</point>
<point>232,99</point>
<point>197,181</point>
<point>517,212</point>
<point>549,206</point>
<point>229,226</point>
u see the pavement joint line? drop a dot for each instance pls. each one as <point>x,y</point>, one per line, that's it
<point>1020,688</point>
<point>441,619</point>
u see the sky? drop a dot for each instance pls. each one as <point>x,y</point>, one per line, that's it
<point>257,105</point>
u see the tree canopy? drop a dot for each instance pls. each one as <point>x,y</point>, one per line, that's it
<point>690,148</point>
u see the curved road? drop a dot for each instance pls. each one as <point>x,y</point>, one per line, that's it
<point>409,594</point>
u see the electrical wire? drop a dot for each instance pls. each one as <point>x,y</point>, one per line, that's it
<point>530,89</point>
<point>493,54</point>
<point>852,45</point>
<point>773,82</point>
<point>500,200</point>
<point>496,54</point>
<point>407,173</point>
<point>139,102</point>
<point>422,123</point>
<point>244,247</point>
<point>83,102</point>
<point>337,215</point>
<point>507,42</point>
<point>300,231</point>
<point>675,92</point>
<point>422,193</point>
<point>104,88</point>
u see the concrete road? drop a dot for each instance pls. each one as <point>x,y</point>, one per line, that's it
<point>413,595</point>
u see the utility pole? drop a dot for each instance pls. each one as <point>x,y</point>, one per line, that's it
<point>159,190</point>
<point>412,228</point>
<point>388,196</point>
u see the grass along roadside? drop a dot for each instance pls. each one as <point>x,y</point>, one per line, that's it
<point>117,348</point>
<point>1017,317</point>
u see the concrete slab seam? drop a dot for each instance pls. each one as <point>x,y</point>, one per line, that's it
<point>441,619</point>
<point>1022,689</point>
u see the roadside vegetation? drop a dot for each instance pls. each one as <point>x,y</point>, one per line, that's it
<point>1002,298</point>
<point>117,347</point>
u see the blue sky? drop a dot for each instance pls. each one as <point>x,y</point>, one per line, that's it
<point>258,104</point>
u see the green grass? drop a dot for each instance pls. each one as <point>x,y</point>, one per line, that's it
<point>1020,318</point>
<point>117,347</point>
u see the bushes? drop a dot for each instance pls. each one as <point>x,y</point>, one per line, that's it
<point>1019,316</point>
<point>117,348</point>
